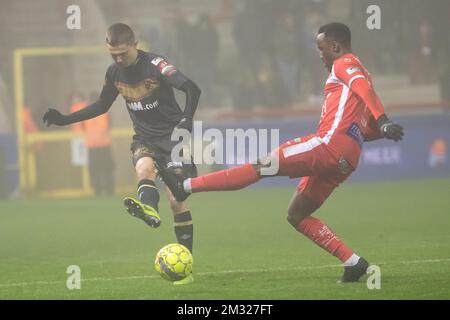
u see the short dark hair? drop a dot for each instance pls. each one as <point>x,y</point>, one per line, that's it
<point>120,33</point>
<point>338,32</point>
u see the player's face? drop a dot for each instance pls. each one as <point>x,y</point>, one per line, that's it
<point>123,54</point>
<point>325,48</point>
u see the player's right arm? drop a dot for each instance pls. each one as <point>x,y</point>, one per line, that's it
<point>108,95</point>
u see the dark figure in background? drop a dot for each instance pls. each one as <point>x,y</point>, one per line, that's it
<point>206,57</point>
<point>286,51</point>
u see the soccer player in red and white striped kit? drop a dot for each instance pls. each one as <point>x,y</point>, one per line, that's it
<point>352,113</point>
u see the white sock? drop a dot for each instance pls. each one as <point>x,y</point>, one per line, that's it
<point>187,185</point>
<point>351,261</point>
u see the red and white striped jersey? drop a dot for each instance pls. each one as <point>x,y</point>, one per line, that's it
<point>346,122</point>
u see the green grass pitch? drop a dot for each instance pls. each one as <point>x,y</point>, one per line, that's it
<point>244,247</point>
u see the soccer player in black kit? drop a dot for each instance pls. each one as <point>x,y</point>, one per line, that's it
<point>146,81</point>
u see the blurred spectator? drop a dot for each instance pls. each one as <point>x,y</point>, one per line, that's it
<point>183,35</point>
<point>421,62</point>
<point>270,90</point>
<point>252,33</point>
<point>34,151</point>
<point>440,21</point>
<point>250,37</point>
<point>286,49</point>
<point>205,58</point>
<point>29,126</point>
<point>174,38</point>
<point>243,87</point>
<point>97,139</point>
<point>312,62</point>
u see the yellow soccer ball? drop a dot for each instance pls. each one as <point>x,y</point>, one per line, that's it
<point>174,262</point>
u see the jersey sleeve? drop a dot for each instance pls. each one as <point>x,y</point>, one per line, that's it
<point>348,70</point>
<point>371,131</point>
<point>168,72</point>
<point>77,126</point>
<point>109,91</point>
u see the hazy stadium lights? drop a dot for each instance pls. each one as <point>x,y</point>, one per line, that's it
<point>238,143</point>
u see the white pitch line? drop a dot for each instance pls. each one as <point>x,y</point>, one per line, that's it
<point>22,284</point>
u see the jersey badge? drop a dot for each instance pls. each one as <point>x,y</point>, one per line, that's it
<point>352,70</point>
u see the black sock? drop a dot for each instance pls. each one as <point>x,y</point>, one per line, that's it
<point>148,193</point>
<point>184,229</point>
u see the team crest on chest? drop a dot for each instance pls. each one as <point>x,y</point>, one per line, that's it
<point>137,91</point>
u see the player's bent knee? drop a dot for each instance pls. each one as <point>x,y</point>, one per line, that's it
<point>297,213</point>
<point>300,207</point>
<point>294,218</point>
<point>292,221</point>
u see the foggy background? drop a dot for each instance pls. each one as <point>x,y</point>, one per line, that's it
<point>255,60</point>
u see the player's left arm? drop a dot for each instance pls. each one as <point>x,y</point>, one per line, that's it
<point>178,80</point>
<point>355,79</point>
<point>192,92</point>
<point>372,131</point>
<point>388,129</point>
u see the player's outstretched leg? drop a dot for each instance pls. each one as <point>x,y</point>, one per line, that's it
<point>224,180</point>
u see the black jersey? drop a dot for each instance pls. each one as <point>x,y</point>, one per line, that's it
<point>147,87</point>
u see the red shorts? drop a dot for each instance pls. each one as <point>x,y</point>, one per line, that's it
<point>322,170</point>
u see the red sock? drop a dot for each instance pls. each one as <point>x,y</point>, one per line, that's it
<point>324,237</point>
<point>225,180</point>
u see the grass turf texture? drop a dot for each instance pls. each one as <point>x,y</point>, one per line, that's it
<point>244,248</point>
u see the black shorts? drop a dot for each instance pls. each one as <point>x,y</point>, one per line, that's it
<point>161,148</point>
